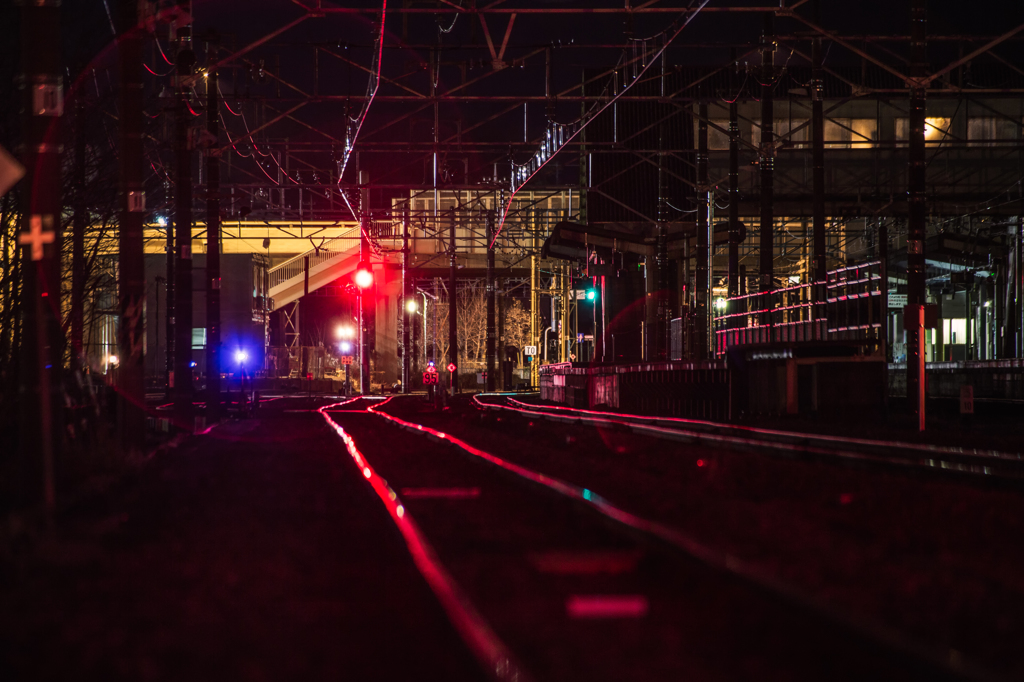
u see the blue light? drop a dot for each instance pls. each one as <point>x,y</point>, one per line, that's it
<point>241,356</point>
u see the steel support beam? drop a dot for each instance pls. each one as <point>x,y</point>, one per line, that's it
<point>453,307</point>
<point>131,273</point>
<point>213,358</point>
<point>182,376</point>
<point>917,212</point>
<point>703,276</point>
<point>39,241</point>
<point>767,162</point>
<point>491,332</point>
<point>818,259</point>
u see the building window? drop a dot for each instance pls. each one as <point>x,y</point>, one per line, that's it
<point>984,131</point>
<point>936,129</point>
<point>716,138</point>
<point>198,338</point>
<point>787,130</point>
<point>850,133</point>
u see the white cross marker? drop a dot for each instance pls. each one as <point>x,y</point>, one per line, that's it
<point>37,236</point>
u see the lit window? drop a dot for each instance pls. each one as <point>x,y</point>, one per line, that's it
<point>865,132</point>
<point>786,130</point>
<point>847,133</point>
<point>936,129</point>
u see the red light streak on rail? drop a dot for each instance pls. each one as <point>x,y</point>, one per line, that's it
<point>475,631</point>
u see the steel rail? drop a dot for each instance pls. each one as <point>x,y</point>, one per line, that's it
<point>493,654</point>
<point>880,633</point>
<point>928,457</point>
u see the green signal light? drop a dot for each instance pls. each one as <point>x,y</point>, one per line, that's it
<point>591,294</point>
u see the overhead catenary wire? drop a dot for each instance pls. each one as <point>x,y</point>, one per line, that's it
<point>543,156</point>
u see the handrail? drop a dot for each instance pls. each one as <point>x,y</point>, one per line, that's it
<point>295,266</point>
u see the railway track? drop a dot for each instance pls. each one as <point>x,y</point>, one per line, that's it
<point>546,578</point>
<point>955,460</point>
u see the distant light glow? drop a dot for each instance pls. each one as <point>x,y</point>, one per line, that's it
<point>721,303</point>
<point>410,305</point>
<point>591,294</point>
<point>112,360</point>
<point>364,278</point>
<point>345,346</point>
<point>344,331</point>
<point>161,221</point>
<point>700,462</point>
<point>241,356</point>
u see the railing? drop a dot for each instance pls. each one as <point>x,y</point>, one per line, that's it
<point>852,309</point>
<point>332,248</point>
<point>782,315</point>
<point>855,302</point>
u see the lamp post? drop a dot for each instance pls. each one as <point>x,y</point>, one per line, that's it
<point>411,308</point>
<point>721,306</point>
<point>346,333</point>
<point>363,278</point>
<point>424,295</point>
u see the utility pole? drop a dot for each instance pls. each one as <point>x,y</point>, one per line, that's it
<point>212,237</point>
<point>131,273</point>
<point>818,178</point>
<point>365,299</point>
<point>734,193</point>
<point>78,241</point>
<point>40,240</point>
<point>654,308</point>
<point>702,285</point>
<point>535,321</point>
<point>491,332</point>
<point>404,315</point>
<point>767,161</point>
<point>170,263</point>
<point>182,384</point>
<point>453,326</point>
<point>916,212</point>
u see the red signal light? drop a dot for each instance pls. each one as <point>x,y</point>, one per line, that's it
<point>364,276</point>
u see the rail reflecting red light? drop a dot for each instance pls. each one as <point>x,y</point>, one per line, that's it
<point>935,449</point>
<point>691,546</point>
<point>933,460</point>
<point>472,627</point>
<point>720,560</point>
